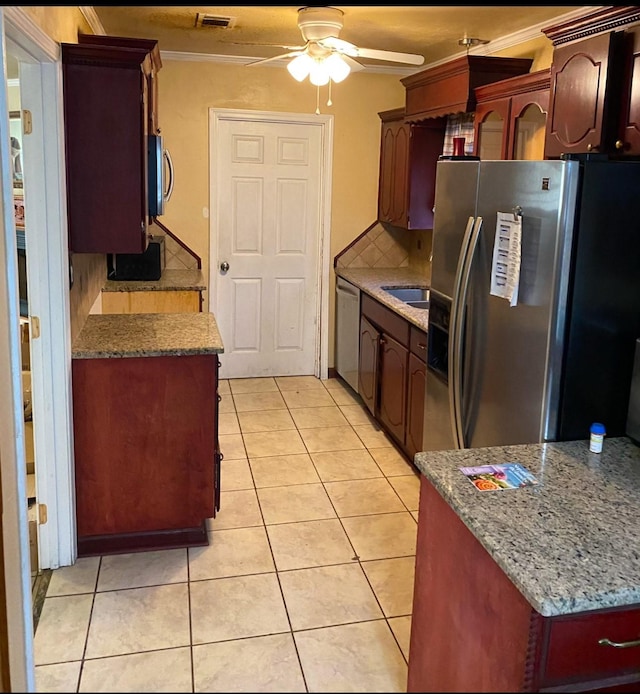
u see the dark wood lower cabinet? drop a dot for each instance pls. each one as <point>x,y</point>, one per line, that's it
<point>368,364</point>
<point>416,384</point>
<point>147,459</point>
<point>394,359</point>
<point>391,375</point>
<point>473,631</point>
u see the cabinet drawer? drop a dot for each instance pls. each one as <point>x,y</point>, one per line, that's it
<point>388,321</point>
<point>575,654</point>
<point>418,343</point>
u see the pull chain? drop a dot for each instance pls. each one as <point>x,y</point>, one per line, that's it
<point>317,100</point>
<point>329,102</point>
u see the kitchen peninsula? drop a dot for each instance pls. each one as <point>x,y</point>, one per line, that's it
<point>528,589</point>
<point>147,458</point>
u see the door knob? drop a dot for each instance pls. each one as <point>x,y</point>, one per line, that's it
<point>224,266</point>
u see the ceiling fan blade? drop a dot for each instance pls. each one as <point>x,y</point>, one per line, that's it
<point>353,64</point>
<point>393,56</point>
<point>262,61</point>
<point>271,45</point>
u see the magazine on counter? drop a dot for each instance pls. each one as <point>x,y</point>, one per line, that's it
<point>488,478</point>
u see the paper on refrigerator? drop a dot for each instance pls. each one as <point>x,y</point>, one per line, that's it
<point>507,255</point>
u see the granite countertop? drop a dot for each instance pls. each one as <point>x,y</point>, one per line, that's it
<point>171,280</point>
<point>569,544</point>
<point>371,281</point>
<point>147,335</point>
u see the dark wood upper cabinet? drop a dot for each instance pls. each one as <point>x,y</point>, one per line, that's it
<point>408,156</point>
<point>595,93</point>
<point>110,106</point>
<point>630,111</point>
<point>450,88</point>
<point>580,96</point>
<point>510,117</point>
<point>412,137</point>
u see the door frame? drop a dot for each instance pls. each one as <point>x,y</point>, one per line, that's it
<point>48,272</point>
<point>325,122</point>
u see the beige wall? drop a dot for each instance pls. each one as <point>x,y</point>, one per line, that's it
<point>187,90</point>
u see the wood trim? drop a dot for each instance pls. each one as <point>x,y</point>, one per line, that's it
<point>595,22</point>
<point>392,114</point>
<point>521,84</point>
<point>5,678</point>
<point>449,88</point>
<point>141,542</point>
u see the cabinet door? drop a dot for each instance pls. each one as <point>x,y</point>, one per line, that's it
<point>106,111</point>
<point>394,162</point>
<point>142,468</point>
<point>527,125</point>
<point>393,386</point>
<point>492,129</point>
<point>415,405</point>
<point>629,143</point>
<point>368,364</point>
<point>579,83</point>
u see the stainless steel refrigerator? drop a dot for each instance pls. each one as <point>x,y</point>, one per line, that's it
<point>561,357</point>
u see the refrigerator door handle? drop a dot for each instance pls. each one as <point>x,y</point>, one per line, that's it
<point>453,349</point>
<point>463,273</point>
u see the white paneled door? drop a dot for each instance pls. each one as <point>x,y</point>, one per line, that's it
<point>265,264</point>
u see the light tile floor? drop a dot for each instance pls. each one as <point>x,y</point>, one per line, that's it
<point>306,584</point>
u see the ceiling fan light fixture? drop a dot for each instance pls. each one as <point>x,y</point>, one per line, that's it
<point>300,67</point>
<point>337,67</point>
<point>319,73</point>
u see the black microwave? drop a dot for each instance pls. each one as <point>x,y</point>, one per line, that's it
<point>160,181</point>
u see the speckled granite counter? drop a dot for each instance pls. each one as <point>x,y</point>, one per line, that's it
<point>147,335</point>
<point>571,543</point>
<point>371,281</point>
<point>171,280</point>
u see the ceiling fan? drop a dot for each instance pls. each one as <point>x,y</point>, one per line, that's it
<point>324,56</point>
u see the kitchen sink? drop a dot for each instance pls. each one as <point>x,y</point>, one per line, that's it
<point>418,297</point>
<point>418,304</point>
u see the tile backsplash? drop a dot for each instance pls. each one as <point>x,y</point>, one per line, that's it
<point>385,246</point>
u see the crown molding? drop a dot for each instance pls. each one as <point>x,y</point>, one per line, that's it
<point>92,19</point>
<point>529,34</point>
<point>19,19</point>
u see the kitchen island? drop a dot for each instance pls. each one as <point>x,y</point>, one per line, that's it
<point>147,458</point>
<point>528,589</point>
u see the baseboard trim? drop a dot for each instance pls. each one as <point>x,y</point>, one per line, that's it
<point>143,541</point>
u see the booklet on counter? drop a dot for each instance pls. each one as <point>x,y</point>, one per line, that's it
<point>488,478</point>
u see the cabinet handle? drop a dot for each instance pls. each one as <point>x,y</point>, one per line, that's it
<point>382,341</point>
<point>591,147</point>
<point>619,144</point>
<point>422,345</point>
<point>615,644</point>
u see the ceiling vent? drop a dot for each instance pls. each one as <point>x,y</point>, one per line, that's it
<point>215,21</point>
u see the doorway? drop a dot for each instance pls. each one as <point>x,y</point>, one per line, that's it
<point>47,267</point>
<point>269,238</point>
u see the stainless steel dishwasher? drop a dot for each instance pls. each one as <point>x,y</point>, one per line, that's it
<point>347,331</point>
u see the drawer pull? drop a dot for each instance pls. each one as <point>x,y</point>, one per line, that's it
<point>421,345</point>
<point>615,644</point>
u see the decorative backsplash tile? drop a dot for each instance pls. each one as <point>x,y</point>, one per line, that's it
<point>176,257</point>
<point>377,246</point>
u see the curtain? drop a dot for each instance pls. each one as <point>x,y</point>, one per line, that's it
<point>458,125</point>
